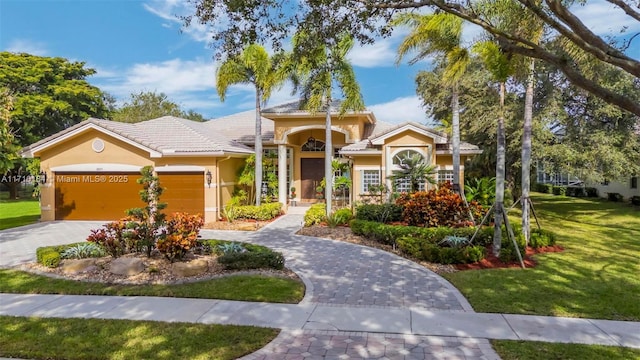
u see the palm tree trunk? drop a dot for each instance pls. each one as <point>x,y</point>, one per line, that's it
<point>258,148</point>
<point>328,155</point>
<point>455,136</point>
<point>526,152</point>
<point>498,210</point>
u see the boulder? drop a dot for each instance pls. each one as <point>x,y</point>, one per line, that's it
<point>126,266</point>
<point>192,268</point>
<point>75,266</point>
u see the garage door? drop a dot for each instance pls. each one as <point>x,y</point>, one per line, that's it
<point>96,196</point>
<point>183,192</point>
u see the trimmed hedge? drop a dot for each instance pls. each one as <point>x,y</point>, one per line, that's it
<point>389,234</point>
<point>263,212</point>
<point>591,192</point>
<point>616,197</point>
<point>49,256</point>
<point>576,191</point>
<point>560,190</point>
<point>540,238</point>
<point>544,188</point>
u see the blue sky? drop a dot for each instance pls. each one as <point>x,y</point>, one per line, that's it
<point>138,45</point>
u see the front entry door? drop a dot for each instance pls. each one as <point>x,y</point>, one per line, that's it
<point>312,172</point>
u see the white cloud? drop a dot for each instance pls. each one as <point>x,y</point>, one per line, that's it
<point>400,110</point>
<point>27,46</point>
<point>380,53</point>
<point>603,18</point>
<point>172,10</point>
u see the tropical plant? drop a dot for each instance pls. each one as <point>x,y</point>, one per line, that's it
<point>83,251</point>
<point>253,66</point>
<point>231,248</point>
<point>439,34</point>
<point>482,190</point>
<point>314,73</point>
<point>415,170</point>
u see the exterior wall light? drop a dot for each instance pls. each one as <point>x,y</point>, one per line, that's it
<point>43,177</point>
<point>208,177</point>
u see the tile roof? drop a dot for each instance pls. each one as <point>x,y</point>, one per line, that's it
<point>241,127</point>
<point>167,135</point>
<point>295,107</point>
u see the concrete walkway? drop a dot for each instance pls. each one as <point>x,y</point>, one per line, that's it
<point>360,303</point>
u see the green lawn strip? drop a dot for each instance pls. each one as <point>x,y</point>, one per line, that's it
<point>533,350</point>
<point>14,213</point>
<point>236,287</point>
<point>35,338</point>
<point>595,277</point>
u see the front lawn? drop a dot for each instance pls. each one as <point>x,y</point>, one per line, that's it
<point>14,213</point>
<point>533,350</point>
<point>595,277</point>
<point>237,287</point>
<point>34,338</point>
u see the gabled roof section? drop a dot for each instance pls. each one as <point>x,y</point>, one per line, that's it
<point>380,137</point>
<point>295,108</point>
<point>241,127</point>
<point>165,136</point>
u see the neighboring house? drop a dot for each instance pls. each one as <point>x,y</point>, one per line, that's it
<point>627,189</point>
<point>93,166</point>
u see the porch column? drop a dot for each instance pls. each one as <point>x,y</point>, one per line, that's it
<point>282,175</point>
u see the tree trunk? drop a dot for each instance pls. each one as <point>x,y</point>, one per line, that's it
<point>500,175</point>
<point>455,136</point>
<point>526,152</point>
<point>258,148</point>
<point>328,156</point>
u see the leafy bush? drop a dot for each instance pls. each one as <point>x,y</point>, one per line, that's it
<point>540,238</point>
<point>49,256</point>
<point>111,237</point>
<point>482,190</point>
<point>544,188</point>
<point>508,252</point>
<point>560,190</point>
<point>452,255</point>
<point>382,213</point>
<point>591,192</point>
<point>83,251</point>
<point>315,215</point>
<point>616,197</point>
<point>263,212</point>
<point>635,200</point>
<point>576,191</point>
<point>181,235</point>
<point>454,241</point>
<point>339,217</point>
<point>441,207</point>
<point>252,260</point>
<point>231,248</point>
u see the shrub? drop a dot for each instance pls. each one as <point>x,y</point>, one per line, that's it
<point>263,212</point>
<point>508,252</point>
<point>49,256</point>
<point>576,191</point>
<point>339,217</point>
<point>111,237</point>
<point>560,190</point>
<point>231,248</point>
<point>452,255</point>
<point>315,215</point>
<point>83,251</point>
<point>591,192</point>
<point>252,260</point>
<point>540,238</point>
<point>635,200</point>
<point>181,235</point>
<point>441,207</point>
<point>382,213</point>
<point>616,197</point>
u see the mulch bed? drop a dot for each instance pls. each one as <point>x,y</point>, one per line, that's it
<point>241,224</point>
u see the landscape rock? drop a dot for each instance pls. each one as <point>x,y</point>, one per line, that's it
<point>75,266</point>
<point>192,268</point>
<point>126,266</point>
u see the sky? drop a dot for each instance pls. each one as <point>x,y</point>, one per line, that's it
<point>140,45</point>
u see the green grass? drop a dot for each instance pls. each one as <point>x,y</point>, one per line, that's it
<point>237,287</point>
<point>14,213</point>
<point>595,277</point>
<point>32,338</point>
<point>531,350</point>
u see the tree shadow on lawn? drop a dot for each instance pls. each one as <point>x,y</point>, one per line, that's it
<point>12,222</point>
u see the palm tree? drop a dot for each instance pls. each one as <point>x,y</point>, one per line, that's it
<point>253,66</point>
<point>414,169</point>
<point>439,34</point>
<point>314,73</point>
<point>500,66</point>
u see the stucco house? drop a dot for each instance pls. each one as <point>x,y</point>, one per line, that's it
<point>92,167</point>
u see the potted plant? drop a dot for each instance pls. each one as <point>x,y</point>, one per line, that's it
<point>293,193</point>
<point>319,192</point>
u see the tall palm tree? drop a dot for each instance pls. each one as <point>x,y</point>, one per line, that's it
<point>414,169</point>
<point>439,34</point>
<point>500,66</point>
<point>253,66</point>
<point>315,73</point>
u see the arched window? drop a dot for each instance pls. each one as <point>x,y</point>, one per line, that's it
<point>401,165</point>
<point>401,156</point>
<point>313,145</point>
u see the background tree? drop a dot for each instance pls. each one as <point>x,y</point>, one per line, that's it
<point>314,74</point>
<point>439,34</point>
<point>253,66</point>
<point>49,95</point>
<point>146,105</point>
<point>8,147</point>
